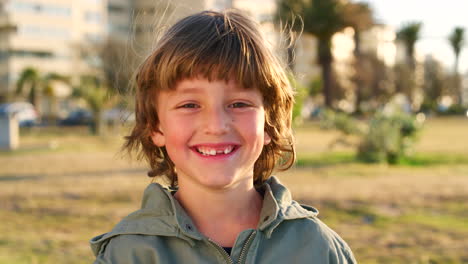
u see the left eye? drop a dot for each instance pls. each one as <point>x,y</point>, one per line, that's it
<point>239,105</point>
<point>189,105</point>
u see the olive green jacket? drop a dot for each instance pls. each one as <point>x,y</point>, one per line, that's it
<point>162,232</point>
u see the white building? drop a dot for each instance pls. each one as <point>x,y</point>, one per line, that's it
<point>46,36</point>
<point>150,18</point>
<point>119,15</point>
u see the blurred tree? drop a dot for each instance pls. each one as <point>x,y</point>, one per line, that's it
<point>457,41</point>
<point>359,17</point>
<point>118,64</point>
<point>299,98</point>
<point>49,90</point>
<point>114,64</point>
<point>97,96</point>
<point>434,84</point>
<point>32,85</point>
<point>409,34</point>
<point>28,85</point>
<point>321,18</point>
<point>374,83</point>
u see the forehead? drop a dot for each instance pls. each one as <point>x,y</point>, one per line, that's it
<point>204,85</point>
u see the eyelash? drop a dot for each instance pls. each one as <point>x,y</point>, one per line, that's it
<point>239,105</point>
<point>233,105</point>
<point>189,105</point>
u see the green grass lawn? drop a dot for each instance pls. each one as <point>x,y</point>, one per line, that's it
<point>63,187</point>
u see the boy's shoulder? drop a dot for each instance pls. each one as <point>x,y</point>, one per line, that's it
<point>301,226</point>
<point>309,236</point>
<point>155,218</point>
<point>318,233</point>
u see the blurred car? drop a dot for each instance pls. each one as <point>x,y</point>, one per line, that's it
<point>24,112</point>
<point>118,115</point>
<point>77,117</point>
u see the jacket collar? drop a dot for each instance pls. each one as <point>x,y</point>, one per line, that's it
<point>279,206</point>
<point>162,215</point>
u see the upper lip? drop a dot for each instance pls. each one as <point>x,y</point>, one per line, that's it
<point>215,145</point>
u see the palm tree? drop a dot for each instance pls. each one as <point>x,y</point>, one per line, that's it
<point>30,85</point>
<point>49,90</point>
<point>321,18</point>
<point>97,97</point>
<point>33,85</point>
<point>457,41</point>
<point>359,17</point>
<point>409,34</point>
<point>27,84</point>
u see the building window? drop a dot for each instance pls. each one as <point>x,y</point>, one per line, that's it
<point>93,37</point>
<point>4,55</point>
<point>93,17</point>
<point>43,32</point>
<point>39,8</point>
<point>118,29</point>
<point>113,8</point>
<point>32,53</point>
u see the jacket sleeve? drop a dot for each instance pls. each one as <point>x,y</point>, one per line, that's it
<point>340,252</point>
<point>105,254</point>
<point>101,260</point>
<point>348,256</point>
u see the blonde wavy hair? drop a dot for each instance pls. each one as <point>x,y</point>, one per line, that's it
<point>217,46</point>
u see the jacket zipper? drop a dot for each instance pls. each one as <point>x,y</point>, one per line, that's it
<point>243,251</point>
<point>223,252</point>
<point>246,245</point>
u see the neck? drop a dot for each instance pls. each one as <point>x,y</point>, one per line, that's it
<point>234,208</point>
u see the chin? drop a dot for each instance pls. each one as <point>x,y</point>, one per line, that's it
<point>219,182</point>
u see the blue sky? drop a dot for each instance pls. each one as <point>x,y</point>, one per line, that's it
<point>439,19</point>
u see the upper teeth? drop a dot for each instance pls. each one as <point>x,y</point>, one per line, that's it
<point>208,151</point>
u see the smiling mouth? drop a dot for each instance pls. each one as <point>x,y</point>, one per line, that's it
<point>210,151</point>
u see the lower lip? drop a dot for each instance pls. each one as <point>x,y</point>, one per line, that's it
<point>216,157</point>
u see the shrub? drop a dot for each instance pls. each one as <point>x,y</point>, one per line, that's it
<point>389,138</point>
<point>454,109</point>
<point>385,137</point>
<point>300,96</point>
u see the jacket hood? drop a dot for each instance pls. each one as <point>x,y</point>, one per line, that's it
<point>162,215</point>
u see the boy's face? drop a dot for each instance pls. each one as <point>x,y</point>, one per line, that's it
<point>212,131</point>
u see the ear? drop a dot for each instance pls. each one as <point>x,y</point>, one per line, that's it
<point>158,138</point>
<point>266,139</point>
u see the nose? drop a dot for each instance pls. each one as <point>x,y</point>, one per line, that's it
<point>216,121</point>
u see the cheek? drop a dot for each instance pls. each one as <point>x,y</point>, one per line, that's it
<point>178,133</point>
<point>254,126</point>
<point>176,138</point>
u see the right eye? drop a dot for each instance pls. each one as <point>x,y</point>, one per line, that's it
<point>189,105</point>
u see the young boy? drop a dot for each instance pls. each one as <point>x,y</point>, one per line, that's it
<point>213,115</point>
